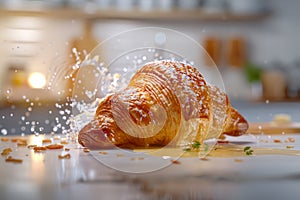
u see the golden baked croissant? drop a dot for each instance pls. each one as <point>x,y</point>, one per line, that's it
<point>165,103</point>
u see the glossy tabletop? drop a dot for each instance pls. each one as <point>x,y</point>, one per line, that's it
<point>271,172</point>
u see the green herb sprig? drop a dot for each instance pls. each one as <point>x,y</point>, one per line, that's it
<point>248,150</point>
<point>195,146</point>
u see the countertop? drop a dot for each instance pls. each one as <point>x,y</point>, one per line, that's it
<point>271,172</point>
<point>47,116</point>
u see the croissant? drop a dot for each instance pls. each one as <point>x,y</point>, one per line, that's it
<point>165,103</point>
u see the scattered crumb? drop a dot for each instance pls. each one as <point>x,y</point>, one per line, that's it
<point>137,158</point>
<point>103,152</point>
<point>39,149</point>
<point>31,146</point>
<point>67,149</point>
<point>56,138</point>
<point>18,140</point>
<point>204,159</point>
<point>289,147</point>
<point>277,141</point>
<point>14,160</point>
<point>46,141</point>
<point>265,141</point>
<point>120,155</point>
<point>14,140</point>
<point>6,151</point>
<point>66,156</point>
<point>64,142</point>
<point>238,160</point>
<point>4,139</point>
<point>22,144</point>
<point>223,141</point>
<point>86,150</point>
<point>175,162</point>
<point>54,146</point>
<point>44,148</point>
<point>291,139</point>
<point>23,140</point>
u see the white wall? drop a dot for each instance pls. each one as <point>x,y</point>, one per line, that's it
<point>273,39</point>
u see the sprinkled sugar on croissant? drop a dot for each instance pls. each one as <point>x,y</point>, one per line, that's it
<point>165,103</point>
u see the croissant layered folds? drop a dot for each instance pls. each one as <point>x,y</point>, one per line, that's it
<point>165,103</point>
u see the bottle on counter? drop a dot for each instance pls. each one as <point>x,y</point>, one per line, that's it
<point>235,80</point>
<point>293,81</point>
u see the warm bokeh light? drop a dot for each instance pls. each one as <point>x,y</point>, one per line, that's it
<point>37,80</point>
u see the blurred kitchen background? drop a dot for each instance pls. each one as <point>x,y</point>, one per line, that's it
<point>254,43</point>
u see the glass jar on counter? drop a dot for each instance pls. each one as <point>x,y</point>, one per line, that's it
<point>274,84</point>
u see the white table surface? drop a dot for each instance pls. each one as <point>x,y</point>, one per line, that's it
<point>44,176</point>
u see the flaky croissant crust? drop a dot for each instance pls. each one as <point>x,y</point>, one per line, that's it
<point>165,102</point>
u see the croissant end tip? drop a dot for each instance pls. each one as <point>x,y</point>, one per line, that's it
<point>93,138</point>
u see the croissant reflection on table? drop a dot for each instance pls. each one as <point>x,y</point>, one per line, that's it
<point>165,103</point>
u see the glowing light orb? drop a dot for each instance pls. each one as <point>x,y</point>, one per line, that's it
<point>37,80</point>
